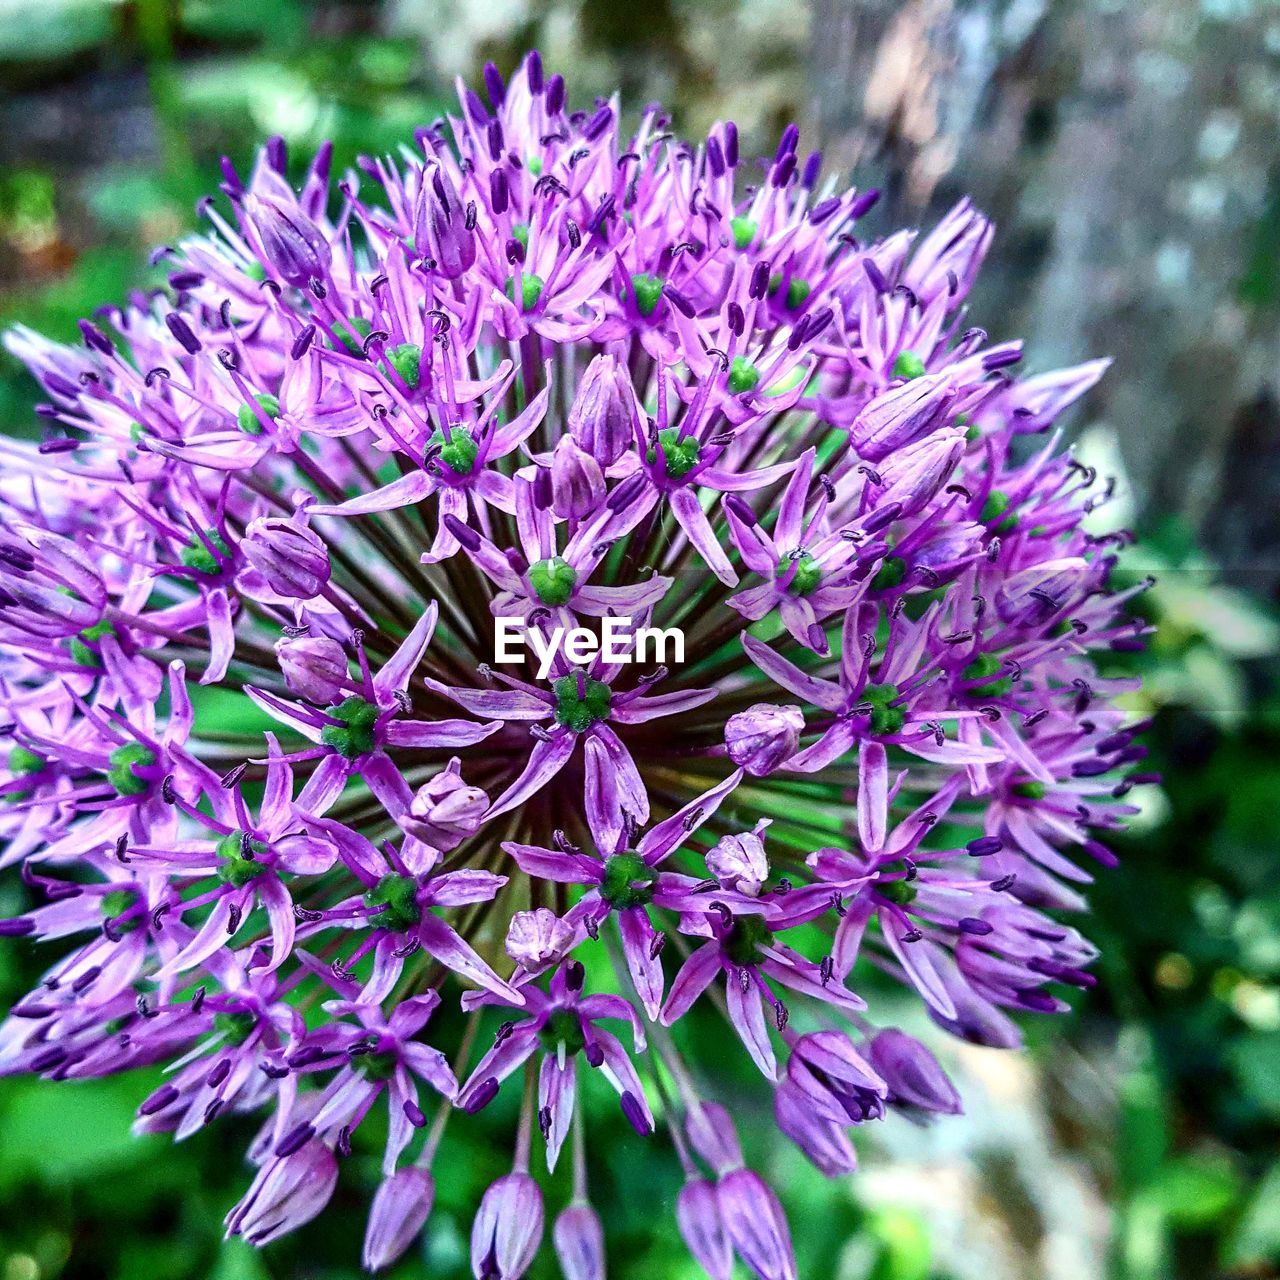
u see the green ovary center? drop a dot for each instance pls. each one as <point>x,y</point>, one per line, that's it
<point>354,736</point>
<point>562,1027</point>
<point>237,863</point>
<point>124,762</point>
<point>746,941</point>
<point>806,576</point>
<point>885,719</point>
<point>458,453</point>
<point>628,881</point>
<point>553,580</point>
<point>983,668</point>
<point>398,896</point>
<point>199,555</point>
<point>579,707</point>
<point>679,457</point>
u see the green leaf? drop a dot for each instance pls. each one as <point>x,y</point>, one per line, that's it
<point>1255,1060</point>
<point>58,1133</point>
<point>1193,1192</point>
<point>1256,1241</point>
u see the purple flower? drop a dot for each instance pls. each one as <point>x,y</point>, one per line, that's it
<point>401,1205</point>
<point>563,1024</point>
<point>507,1229</point>
<point>278,791</point>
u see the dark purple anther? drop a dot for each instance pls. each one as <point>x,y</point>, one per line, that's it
<point>678,300</point>
<point>824,210</point>
<point>787,143</point>
<point>498,191</point>
<point>863,203</point>
<point>231,177</point>
<point>812,167</point>
<point>162,1098</point>
<point>295,1140</point>
<point>875,275</point>
<point>759,280</point>
<point>494,85</point>
<point>555,95</point>
<point>731,145</point>
<point>885,515</point>
<point>984,846</point>
<point>1091,768</point>
<point>1000,359</point>
<point>533,72</point>
<point>600,120</point>
<point>183,332</point>
<point>635,1113</point>
<point>95,338</point>
<point>817,322</point>
<point>468,537</point>
<point>542,489</point>
<point>481,1097</point>
<point>973,926</point>
<point>475,107</point>
<point>715,156</point>
<point>62,445</point>
<point>277,153</point>
<point>302,343</point>
<point>783,170</point>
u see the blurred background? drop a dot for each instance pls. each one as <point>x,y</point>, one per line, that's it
<point>1129,155</point>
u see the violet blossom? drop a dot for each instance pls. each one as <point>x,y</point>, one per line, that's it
<point>262,758</point>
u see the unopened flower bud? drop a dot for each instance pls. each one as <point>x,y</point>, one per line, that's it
<point>840,1084</point>
<point>602,417</point>
<point>291,557</point>
<point>48,587</point>
<point>577,484</point>
<point>538,938</point>
<point>913,1074</point>
<point>507,1229</point>
<point>314,668</point>
<point>711,1131</point>
<point>579,1241</point>
<point>913,475</point>
<point>288,1192</point>
<point>290,242</point>
<point>446,809</point>
<point>739,862</point>
<point>400,1207</point>
<point>698,1216</point>
<point>440,229</point>
<point>824,1142</point>
<point>901,416</point>
<point>756,1225</point>
<point>763,736</point>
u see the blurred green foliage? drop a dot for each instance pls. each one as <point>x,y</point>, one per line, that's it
<point>1185,1130</point>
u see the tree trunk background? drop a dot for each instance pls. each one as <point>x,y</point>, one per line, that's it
<point>1128,155</point>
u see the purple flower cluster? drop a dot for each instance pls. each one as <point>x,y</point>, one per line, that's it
<point>269,787</point>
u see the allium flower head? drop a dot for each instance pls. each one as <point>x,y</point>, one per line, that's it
<point>267,757</point>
